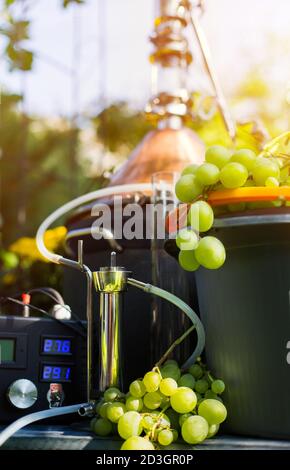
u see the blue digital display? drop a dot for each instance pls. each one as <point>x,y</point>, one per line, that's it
<point>53,372</point>
<point>56,346</point>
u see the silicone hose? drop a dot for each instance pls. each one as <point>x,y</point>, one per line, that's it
<point>32,417</point>
<point>184,308</point>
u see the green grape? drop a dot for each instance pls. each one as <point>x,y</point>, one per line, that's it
<point>165,437</point>
<point>217,155</point>
<point>207,174</point>
<point>213,411</point>
<point>186,239</point>
<point>186,380</point>
<point>164,399</point>
<point>98,405</point>
<point>137,443</point>
<point>92,423</point>
<point>245,157</point>
<point>111,394</point>
<point>188,188</point>
<point>168,386</point>
<point>271,182</point>
<point>212,430</point>
<point>238,207</point>
<point>137,389</point>
<point>263,168</point>
<point>130,425</point>
<point>102,427</point>
<point>182,418</point>
<point>151,381</point>
<point>115,411</point>
<point>104,408</point>
<point>184,400</point>
<point>145,409</point>
<point>171,362</point>
<point>201,386</point>
<point>233,175</point>
<point>189,170</point>
<point>210,394</point>
<point>173,417</point>
<point>134,404</point>
<point>194,429</point>
<point>175,435</point>
<point>170,371</point>
<point>210,253</point>
<point>196,371</point>
<point>284,174</point>
<point>277,203</point>
<point>287,181</point>
<point>188,261</point>
<point>148,422</point>
<point>200,216</point>
<point>218,386</point>
<point>257,205</point>
<point>152,400</point>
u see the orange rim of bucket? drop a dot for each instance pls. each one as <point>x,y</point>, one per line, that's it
<point>248,194</point>
<point>178,217</point>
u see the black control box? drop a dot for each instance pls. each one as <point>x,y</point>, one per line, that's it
<point>44,352</point>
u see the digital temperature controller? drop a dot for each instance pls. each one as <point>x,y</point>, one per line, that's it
<point>57,346</point>
<point>56,372</point>
<point>44,352</point>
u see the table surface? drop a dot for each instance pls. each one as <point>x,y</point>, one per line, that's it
<point>39,437</point>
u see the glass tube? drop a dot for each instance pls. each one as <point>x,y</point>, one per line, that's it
<point>168,323</point>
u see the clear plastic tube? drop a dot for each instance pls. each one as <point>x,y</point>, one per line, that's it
<point>32,417</point>
<point>184,308</point>
<point>127,188</point>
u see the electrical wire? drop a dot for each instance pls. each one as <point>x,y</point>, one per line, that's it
<point>44,312</point>
<point>50,292</point>
<point>54,295</point>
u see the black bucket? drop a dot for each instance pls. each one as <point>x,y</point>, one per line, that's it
<point>244,307</point>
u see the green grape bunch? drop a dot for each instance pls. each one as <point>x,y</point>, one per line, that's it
<point>167,404</point>
<point>222,169</point>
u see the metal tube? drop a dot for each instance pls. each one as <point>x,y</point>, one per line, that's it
<point>207,60</point>
<point>109,340</point>
<point>89,313</point>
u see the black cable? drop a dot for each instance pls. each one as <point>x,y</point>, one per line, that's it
<point>44,312</point>
<point>55,295</point>
<point>50,292</point>
<point>57,298</point>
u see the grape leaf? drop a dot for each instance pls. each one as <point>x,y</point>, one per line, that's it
<point>16,31</point>
<point>66,3</point>
<point>20,59</point>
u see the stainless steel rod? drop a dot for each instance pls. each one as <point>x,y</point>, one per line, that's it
<point>207,60</point>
